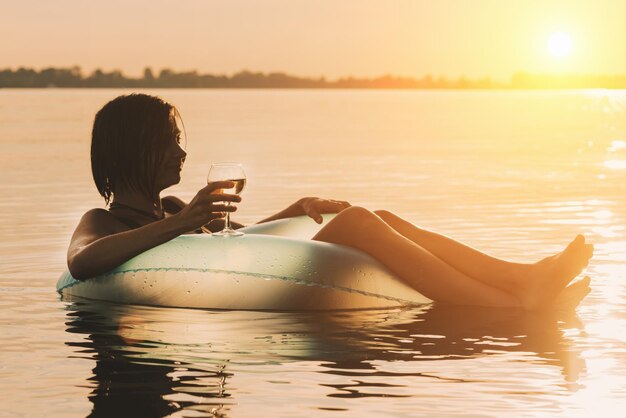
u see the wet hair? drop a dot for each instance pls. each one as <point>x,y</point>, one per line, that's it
<point>128,141</point>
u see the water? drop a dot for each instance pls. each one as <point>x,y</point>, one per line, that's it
<point>516,174</point>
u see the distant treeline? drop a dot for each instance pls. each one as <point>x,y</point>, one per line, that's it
<point>73,77</point>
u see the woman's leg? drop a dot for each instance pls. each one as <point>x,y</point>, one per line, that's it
<point>439,280</point>
<point>504,275</point>
<point>361,229</point>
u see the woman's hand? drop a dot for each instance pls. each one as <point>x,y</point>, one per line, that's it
<point>208,204</point>
<point>314,207</point>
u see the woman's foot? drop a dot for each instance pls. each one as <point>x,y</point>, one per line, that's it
<point>548,277</point>
<point>572,295</point>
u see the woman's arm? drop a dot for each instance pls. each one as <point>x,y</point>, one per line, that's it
<point>100,242</point>
<point>313,207</point>
<point>98,246</point>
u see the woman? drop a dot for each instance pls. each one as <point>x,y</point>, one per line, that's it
<point>136,154</point>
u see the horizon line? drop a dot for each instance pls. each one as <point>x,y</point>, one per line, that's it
<point>64,77</point>
<point>313,77</point>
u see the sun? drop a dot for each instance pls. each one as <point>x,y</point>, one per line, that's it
<point>560,44</point>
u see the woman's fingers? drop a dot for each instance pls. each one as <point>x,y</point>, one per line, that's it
<point>224,198</point>
<point>216,185</point>
<point>210,203</point>
<point>214,192</point>
<point>223,208</point>
<point>335,206</point>
<point>314,207</point>
<point>314,214</point>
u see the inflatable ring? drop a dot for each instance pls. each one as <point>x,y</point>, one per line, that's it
<point>275,266</point>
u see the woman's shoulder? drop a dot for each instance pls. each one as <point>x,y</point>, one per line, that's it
<point>97,214</point>
<point>94,224</point>
<point>102,220</point>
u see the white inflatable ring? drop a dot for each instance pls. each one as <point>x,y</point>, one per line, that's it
<point>273,267</point>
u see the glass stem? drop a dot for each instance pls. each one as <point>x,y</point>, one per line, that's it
<point>227,223</point>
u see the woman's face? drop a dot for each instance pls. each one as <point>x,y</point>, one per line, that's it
<point>173,159</point>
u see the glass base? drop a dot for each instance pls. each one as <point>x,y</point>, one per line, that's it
<point>228,232</point>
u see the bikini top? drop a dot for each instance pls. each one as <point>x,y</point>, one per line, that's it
<point>132,224</point>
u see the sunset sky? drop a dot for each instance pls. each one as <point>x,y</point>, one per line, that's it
<point>476,38</point>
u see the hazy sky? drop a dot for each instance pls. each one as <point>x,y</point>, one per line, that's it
<point>318,37</point>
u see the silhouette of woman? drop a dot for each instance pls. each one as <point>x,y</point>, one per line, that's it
<point>136,154</point>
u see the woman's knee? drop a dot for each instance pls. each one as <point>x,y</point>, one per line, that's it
<point>384,214</point>
<point>394,220</point>
<point>353,223</point>
<point>357,215</point>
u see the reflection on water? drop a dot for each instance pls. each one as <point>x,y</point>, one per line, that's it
<point>156,361</point>
<point>133,376</point>
<point>617,156</point>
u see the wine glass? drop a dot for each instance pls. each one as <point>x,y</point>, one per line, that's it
<point>231,172</point>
